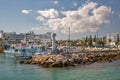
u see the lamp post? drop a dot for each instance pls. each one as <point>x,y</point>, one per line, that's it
<point>53,42</point>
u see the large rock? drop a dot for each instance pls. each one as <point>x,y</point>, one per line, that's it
<point>56,64</point>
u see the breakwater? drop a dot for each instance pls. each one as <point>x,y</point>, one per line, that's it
<point>73,59</point>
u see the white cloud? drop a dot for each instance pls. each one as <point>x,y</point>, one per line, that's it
<point>50,13</point>
<point>55,2</point>
<point>26,11</point>
<point>40,18</point>
<point>40,28</point>
<point>89,17</point>
<point>75,4</point>
<point>36,28</point>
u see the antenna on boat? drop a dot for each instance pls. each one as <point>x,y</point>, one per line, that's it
<point>24,40</point>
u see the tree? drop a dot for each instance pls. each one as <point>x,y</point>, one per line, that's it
<point>110,40</point>
<point>95,38</point>
<point>117,43</point>
<point>104,38</point>
<point>82,43</point>
<point>73,42</point>
<point>86,41</point>
<point>101,42</point>
<point>118,37</point>
<point>90,41</point>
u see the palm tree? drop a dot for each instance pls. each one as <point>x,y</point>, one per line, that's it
<point>117,43</point>
<point>118,37</point>
<point>101,42</point>
<point>95,38</point>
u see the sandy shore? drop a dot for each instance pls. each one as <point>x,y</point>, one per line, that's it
<point>73,59</point>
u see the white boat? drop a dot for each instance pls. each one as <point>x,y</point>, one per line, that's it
<point>11,52</point>
<point>26,50</point>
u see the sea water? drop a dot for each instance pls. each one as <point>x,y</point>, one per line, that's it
<point>10,69</point>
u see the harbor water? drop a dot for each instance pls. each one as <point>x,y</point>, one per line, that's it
<point>10,69</point>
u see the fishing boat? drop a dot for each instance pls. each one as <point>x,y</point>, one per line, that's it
<point>25,50</point>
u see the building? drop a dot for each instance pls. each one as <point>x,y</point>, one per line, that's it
<point>45,38</point>
<point>30,36</point>
<point>8,35</point>
<point>112,38</point>
<point>1,34</point>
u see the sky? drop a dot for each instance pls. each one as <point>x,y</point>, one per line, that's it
<point>83,17</point>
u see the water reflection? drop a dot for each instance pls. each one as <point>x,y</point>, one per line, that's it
<point>11,69</point>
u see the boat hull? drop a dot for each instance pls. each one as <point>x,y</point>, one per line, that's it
<point>23,57</point>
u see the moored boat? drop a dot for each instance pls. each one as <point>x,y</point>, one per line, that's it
<point>20,57</point>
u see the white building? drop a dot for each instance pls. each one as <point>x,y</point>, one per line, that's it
<point>30,36</point>
<point>112,38</point>
<point>1,34</point>
<point>46,37</point>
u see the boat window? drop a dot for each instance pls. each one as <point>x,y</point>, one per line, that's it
<point>16,50</point>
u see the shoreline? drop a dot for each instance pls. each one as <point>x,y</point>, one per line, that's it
<point>72,59</point>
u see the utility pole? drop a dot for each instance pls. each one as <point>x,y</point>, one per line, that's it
<point>69,38</point>
<point>68,41</point>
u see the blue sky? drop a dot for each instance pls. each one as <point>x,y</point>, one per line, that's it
<point>42,16</point>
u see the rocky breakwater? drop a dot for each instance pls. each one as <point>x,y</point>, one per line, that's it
<point>64,60</point>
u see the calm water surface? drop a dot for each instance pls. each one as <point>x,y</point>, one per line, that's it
<point>10,69</point>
